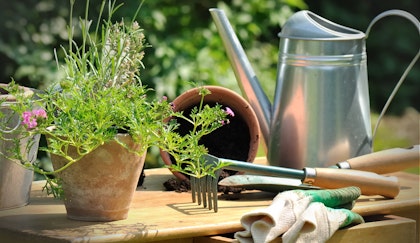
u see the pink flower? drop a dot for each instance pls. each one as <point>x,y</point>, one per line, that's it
<point>26,116</point>
<point>40,113</point>
<point>229,112</point>
<point>30,118</point>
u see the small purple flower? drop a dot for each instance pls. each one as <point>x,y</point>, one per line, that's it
<point>163,99</point>
<point>229,112</point>
<point>224,122</point>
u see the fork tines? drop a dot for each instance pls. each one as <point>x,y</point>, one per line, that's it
<point>204,191</point>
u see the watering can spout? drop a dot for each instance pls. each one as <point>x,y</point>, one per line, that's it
<point>247,80</point>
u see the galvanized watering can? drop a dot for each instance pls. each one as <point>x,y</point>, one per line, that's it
<point>321,111</point>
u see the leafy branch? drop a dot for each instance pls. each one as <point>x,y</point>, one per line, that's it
<point>187,150</point>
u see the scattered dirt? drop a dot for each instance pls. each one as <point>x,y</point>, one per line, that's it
<point>174,184</point>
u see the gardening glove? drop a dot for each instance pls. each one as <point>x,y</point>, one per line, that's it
<point>264,225</point>
<point>318,223</point>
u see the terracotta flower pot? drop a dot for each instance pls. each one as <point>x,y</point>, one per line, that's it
<point>237,140</point>
<point>15,180</point>
<point>101,186</point>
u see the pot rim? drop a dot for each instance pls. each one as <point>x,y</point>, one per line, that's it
<point>28,92</point>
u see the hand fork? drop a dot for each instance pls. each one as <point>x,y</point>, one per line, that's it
<point>204,189</point>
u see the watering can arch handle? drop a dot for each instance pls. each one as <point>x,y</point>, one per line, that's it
<point>393,12</point>
<point>415,21</point>
<point>12,129</point>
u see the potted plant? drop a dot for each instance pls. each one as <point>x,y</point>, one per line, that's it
<point>98,115</point>
<point>99,121</point>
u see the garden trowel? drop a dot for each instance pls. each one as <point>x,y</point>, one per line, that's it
<point>386,161</point>
<point>369,182</point>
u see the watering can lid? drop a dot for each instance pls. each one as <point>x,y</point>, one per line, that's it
<point>307,25</point>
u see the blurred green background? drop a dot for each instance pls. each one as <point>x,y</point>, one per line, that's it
<point>186,47</point>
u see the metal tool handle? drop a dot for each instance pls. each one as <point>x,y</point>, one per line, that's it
<point>369,183</point>
<point>385,161</point>
<point>264,169</point>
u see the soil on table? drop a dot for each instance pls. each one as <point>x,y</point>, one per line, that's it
<point>174,184</point>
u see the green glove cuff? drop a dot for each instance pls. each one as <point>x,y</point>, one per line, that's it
<point>342,197</point>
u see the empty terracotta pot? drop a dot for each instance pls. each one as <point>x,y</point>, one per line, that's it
<point>237,140</point>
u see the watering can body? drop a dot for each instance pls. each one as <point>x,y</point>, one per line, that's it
<point>321,111</point>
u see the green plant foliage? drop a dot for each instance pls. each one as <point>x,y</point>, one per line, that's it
<point>30,30</point>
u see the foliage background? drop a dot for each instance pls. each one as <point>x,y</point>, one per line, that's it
<point>186,46</point>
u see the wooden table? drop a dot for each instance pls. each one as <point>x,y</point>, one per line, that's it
<point>167,216</point>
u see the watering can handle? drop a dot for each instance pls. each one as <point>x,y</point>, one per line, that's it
<point>12,129</point>
<point>394,12</point>
<point>415,21</point>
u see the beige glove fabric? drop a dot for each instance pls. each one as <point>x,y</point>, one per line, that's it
<point>318,223</point>
<point>301,216</point>
<point>266,224</point>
